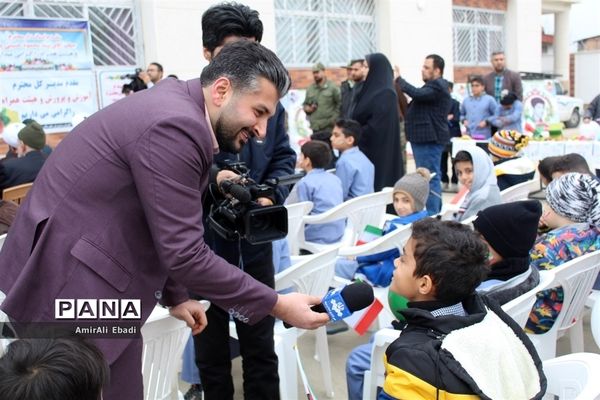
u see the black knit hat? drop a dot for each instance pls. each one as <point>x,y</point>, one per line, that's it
<point>510,228</point>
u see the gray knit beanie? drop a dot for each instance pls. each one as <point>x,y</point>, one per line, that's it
<point>575,196</point>
<point>416,185</point>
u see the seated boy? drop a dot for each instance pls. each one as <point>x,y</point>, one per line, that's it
<point>454,343</point>
<point>510,169</point>
<point>52,369</point>
<point>573,215</point>
<point>508,113</point>
<point>409,199</point>
<point>509,230</point>
<point>476,172</point>
<point>320,187</point>
<point>353,168</point>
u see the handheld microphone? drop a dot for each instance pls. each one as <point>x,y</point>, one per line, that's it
<point>236,190</point>
<point>340,303</point>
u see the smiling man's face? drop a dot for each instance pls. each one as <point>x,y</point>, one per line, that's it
<point>245,116</point>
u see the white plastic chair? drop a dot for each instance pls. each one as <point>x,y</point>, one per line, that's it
<point>375,376</point>
<point>296,212</point>
<point>359,212</point>
<point>573,376</point>
<point>520,308</point>
<point>518,192</point>
<point>164,341</point>
<point>595,323</point>
<point>311,276</point>
<point>576,278</point>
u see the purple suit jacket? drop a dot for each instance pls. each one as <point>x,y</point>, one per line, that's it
<point>116,212</point>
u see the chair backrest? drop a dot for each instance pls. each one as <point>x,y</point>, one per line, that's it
<point>296,212</point>
<point>312,275</point>
<point>576,278</point>
<point>520,308</point>
<point>573,376</point>
<point>517,192</point>
<point>164,341</point>
<point>16,193</point>
<point>375,376</point>
<point>361,211</point>
<point>595,322</point>
<point>395,239</point>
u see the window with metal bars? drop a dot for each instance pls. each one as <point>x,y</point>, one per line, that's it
<point>114,27</point>
<point>477,34</point>
<point>329,31</point>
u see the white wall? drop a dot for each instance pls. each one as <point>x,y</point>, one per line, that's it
<point>172,33</point>
<point>409,30</point>
<point>587,75</point>
<point>523,35</point>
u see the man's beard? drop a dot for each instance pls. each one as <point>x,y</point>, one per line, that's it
<point>226,136</point>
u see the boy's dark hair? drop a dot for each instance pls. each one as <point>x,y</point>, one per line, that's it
<point>243,62</point>
<point>476,78</point>
<point>462,156</point>
<point>438,62</point>
<point>571,162</point>
<point>227,19</point>
<point>452,255</point>
<point>158,66</point>
<point>52,369</point>
<point>317,152</point>
<point>546,167</point>
<point>350,128</point>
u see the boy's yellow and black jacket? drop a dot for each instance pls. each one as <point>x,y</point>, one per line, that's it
<point>483,355</point>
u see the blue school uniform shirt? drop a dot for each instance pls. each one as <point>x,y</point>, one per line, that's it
<point>325,191</point>
<point>477,109</point>
<point>356,172</point>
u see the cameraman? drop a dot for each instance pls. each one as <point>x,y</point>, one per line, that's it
<point>272,158</point>
<point>152,75</point>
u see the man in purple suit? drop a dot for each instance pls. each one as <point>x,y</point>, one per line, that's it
<point>116,212</point>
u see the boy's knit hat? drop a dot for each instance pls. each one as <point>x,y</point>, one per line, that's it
<point>416,185</point>
<point>33,136</point>
<point>510,228</point>
<point>575,196</point>
<point>506,144</point>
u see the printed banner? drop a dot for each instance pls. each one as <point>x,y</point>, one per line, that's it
<point>41,44</point>
<point>110,83</point>
<point>51,98</point>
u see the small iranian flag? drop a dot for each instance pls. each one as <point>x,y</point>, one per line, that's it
<point>369,234</point>
<point>362,319</point>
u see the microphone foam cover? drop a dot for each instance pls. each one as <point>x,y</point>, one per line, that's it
<point>357,296</point>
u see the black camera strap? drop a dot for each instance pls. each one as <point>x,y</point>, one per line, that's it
<point>241,259</point>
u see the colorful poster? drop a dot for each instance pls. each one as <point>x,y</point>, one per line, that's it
<point>41,44</point>
<point>298,127</point>
<point>540,108</point>
<point>110,83</point>
<point>51,98</point>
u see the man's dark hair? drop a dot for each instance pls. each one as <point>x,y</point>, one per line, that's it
<point>350,128</point>
<point>438,62</point>
<point>243,62</point>
<point>546,167</point>
<point>495,53</point>
<point>452,255</point>
<point>476,78</point>
<point>571,162</point>
<point>317,152</point>
<point>227,19</point>
<point>357,60</point>
<point>52,369</point>
<point>462,156</point>
<point>158,66</point>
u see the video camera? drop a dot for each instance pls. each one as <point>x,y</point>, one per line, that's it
<point>240,216</point>
<point>136,83</point>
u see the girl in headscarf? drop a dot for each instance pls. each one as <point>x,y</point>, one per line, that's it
<point>375,107</point>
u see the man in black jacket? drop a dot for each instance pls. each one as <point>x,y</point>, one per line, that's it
<point>426,123</point>
<point>270,158</point>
